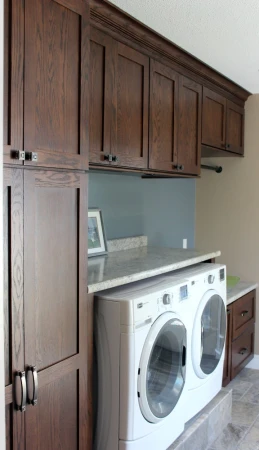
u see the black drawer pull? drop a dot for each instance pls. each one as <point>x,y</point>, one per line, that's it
<point>228,311</point>
<point>22,406</point>
<point>243,351</point>
<point>244,313</point>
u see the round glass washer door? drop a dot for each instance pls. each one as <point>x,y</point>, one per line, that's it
<point>161,375</point>
<point>209,333</point>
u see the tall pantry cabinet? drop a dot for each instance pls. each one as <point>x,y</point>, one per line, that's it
<point>47,313</point>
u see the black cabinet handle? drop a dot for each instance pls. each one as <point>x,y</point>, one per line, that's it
<point>228,145</point>
<point>243,351</point>
<point>244,313</point>
<point>31,156</point>
<point>107,157</point>
<point>18,154</point>
<point>178,167</point>
<point>22,406</point>
<point>115,159</point>
<point>228,311</point>
<point>34,400</point>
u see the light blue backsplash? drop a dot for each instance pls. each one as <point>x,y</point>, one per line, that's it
<point>162,209</point>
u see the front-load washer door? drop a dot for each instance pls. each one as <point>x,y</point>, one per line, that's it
<point>209,332</point>
<point>161,374</point>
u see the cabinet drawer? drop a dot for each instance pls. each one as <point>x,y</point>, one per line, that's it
<point>243,313</point>
<point>242,351</point>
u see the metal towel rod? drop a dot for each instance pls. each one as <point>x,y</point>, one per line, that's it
<point>217,169</point>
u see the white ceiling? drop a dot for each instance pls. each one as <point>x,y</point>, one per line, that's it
<point>222,33</point>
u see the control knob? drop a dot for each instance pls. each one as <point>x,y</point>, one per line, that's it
<point>166,299</point>
<point>211,279</point>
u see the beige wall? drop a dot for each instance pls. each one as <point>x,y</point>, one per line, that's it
<point>227,207</point>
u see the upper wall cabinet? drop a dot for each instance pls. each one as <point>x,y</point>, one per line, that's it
<point>119,88</point>
<point>222,124</point>
<point>164,100</point>
<point>46,102</point>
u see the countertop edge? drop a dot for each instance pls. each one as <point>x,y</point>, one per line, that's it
<point>120,281</point>
<point>242,292</point>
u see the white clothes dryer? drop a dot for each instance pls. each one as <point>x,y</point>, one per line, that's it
<point>206,284</point>
<point>141,340</point>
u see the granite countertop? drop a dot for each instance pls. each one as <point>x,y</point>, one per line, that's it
<point>126,266</point>
<point>241,288</point>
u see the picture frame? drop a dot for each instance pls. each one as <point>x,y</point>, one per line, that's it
<point>97,244</point>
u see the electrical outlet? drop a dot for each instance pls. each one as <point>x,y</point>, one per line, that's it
<point>184,243</point>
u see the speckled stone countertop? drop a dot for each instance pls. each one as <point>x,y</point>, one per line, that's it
<point>127,266</point>
<point>241,288</point>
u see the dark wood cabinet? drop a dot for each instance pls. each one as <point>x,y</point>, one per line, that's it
<point>239,349</point>
<point>235,128</point>
<point>119,88</point>
<point>164,101</point>
<point>189,126</point>
<point>214,119</point>
<point>222,125</point>
<point>46,264</point>
<point>47,93</point>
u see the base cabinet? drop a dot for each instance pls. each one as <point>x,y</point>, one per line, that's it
<point>239,348</point>
<point>46,311</point>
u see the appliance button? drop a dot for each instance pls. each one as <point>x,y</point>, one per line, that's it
<point>211,279</point>
<point>166,299</point>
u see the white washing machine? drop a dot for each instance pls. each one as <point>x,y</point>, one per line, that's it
<point>206,284</point>
<point>141,338</point>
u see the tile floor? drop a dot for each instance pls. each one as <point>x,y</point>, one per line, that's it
<point>243,432</point>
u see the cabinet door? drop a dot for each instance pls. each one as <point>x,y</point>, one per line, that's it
<point>189,131</point>
<point>13,306</point>
<point>56,82</point>
<point>101,89</point>
<point>214,119</point>
<point>13,80</point>
<point>235,128</point>
<point>163,117</point>
<point>129,119</point>
<point>227,360</point>
<point>57,311</point>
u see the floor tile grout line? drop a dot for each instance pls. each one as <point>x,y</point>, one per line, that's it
<point>247,431</point>
<point>246,393</point>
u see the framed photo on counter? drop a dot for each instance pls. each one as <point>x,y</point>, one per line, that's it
<point>96,236</point>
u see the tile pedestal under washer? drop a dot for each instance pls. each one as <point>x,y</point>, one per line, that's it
<point>206,285</point>
<point>141,356</point>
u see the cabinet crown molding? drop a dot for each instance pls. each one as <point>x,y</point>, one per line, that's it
<point>120,23</point>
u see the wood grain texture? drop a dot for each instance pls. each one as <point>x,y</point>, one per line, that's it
<point>163,117</point>
<point>13,215</point>
<point>235,128</point>
<point>13,78</point>
<point>7,285</point>
<point>129,139</point>
<point>227,360</point>
<point>101,91</point>
<point>189,125</point>
<point>121,25</point>
<point>53,423</point>
<point>56,83</point>
<point>214,119</point>
<point>55,254</point>
<point>8,428</point>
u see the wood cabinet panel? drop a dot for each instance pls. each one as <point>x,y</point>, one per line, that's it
<point>101,87</point>
<point>243,313</point>
<point>56,308</point>
<point>13,302</point>
<point>189,131</point>
<point>163,117</point>
<point>242,350</point>
<point>227,361</point>
<point>13,79</point>
<point>8,428</point>
<point>214,119</point>
<point>235,128</point>
<point>56,82</point>
<point>129,134</point>
<point>53,423</point>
